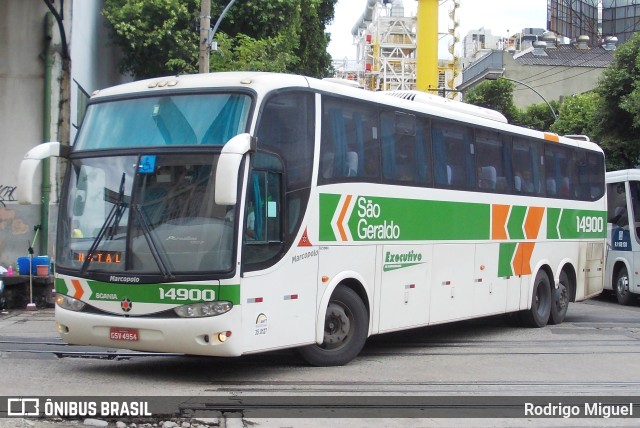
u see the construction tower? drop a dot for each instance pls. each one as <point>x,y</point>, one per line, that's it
<point>386,46</point>
<point>398,52</point>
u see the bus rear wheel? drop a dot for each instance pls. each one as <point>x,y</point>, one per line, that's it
<point>346,326</point>
<point>538,315</point>
<point>560,300</point>
<point>624,296</point>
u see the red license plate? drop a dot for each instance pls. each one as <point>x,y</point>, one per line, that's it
<point>125,334</point>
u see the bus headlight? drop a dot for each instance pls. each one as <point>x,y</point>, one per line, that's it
<point>204,309</point>
<point>69,303</point>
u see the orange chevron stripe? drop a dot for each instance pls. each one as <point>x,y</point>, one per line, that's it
<point>522,258</point>
<point>343,213</point>
<point>533,221</point>
<point>499,216</point>
<point>77,288</point>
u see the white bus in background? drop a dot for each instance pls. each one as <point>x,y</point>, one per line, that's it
<point>623,232</point>
<point>234,213</point>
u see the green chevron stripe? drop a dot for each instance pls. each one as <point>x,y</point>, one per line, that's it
<point>516,222</point>
<point>506,252</point>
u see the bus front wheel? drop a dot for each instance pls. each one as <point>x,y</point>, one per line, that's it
<point>346,326</point>
<point>624,296</point>
<point>538,315</point>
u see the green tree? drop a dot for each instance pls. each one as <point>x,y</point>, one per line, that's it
<point>495,95</point>
<point>618,113</point>
<point>256,18</point>
<point>578,115</point>
<point>312,51</point>
<point>246,53</point>
<point>537,116</point>
<point>159,37</point>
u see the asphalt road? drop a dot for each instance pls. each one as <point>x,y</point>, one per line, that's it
<point>594,353</point>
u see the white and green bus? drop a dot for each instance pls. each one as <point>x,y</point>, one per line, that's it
<point>623,233</point>
<point>234,213</point>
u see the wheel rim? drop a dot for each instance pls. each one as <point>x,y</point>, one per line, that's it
<point>622,285</point>
<point>563,297</point>
<point>337,326</point>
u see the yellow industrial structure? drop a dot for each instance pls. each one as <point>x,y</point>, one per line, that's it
<point>398,52</point>
<point>427,50</point>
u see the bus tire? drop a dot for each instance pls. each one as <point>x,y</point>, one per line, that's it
<point>346,327</point>
<point>538,315</point>
<point>624,296</point>
<point>560,300</point>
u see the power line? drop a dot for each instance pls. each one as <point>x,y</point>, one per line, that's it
<point>564,78</point>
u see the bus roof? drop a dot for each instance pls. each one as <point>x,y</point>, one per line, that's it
<point>423,97</point>
<point>623,175</point>
<point>259,81</point>
<point>263,82</point>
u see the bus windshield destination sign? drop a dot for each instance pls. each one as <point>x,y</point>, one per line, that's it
<point>109,257</point>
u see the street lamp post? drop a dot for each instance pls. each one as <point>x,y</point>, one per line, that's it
<point>224,12</point>
<point>495,77</point>
<point>206,33</point>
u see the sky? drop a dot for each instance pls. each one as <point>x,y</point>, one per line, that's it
<point>502,17</point>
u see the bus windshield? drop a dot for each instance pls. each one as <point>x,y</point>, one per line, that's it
<point>145,215</point>
<point>169,120</point>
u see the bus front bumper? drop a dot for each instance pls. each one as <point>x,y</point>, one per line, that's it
<point>213,336</point>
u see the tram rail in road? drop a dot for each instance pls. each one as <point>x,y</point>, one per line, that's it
<point>485,356</point>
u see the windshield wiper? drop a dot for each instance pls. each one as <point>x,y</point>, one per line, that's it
<point>149,235</point>
<point>115,214</point>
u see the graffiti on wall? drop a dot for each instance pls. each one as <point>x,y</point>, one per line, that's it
<point>8,220</point>
<point>7,194</point>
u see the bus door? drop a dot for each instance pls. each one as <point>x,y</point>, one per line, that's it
<point>621,237</point>
<point>278,296</point>
<point>634,205</point>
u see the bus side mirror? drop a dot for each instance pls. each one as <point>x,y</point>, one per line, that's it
<point>30,171</point>
<point>226,190</point>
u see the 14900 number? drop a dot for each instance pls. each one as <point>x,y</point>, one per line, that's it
<point>192,294</point>
<point>590,224</point>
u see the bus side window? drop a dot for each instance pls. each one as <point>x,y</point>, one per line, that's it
<point>335,145</point>
<point>559,165</point>
<point>453,153</point>
<point>595,172</point>
<point>423,152</point>
<point>263,215</point>
<point>494,161</point>
<point>588,172</point>
<point>526,164</point>
<point>388,141</point>
<point>617,205</point>
<point>406,149</point>
<point>582,175</point>
<point>286,132</point>
<point>442,171</point>
<point>349,149</point>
